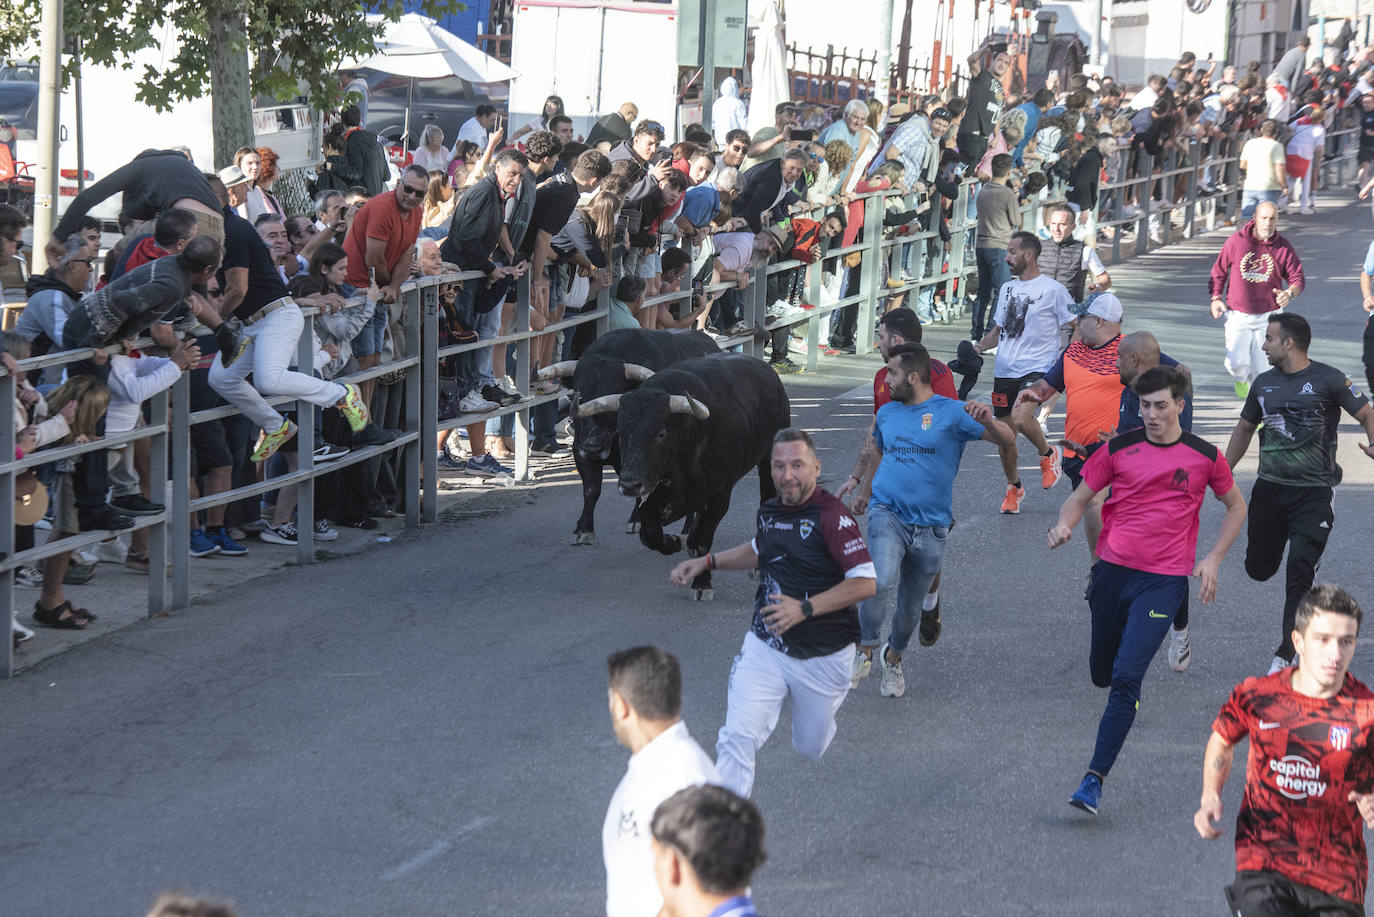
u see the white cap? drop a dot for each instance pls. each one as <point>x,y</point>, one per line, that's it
<point>1105,306</point>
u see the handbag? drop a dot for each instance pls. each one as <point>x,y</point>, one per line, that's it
<point>578,291</point>
<point>30,498</point>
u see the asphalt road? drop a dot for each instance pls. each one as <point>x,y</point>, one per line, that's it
<point>421,729</point>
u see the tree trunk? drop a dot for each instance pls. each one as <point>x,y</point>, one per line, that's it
<point>231,96</point>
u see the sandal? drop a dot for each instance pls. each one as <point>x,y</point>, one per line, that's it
<point>63,617</point>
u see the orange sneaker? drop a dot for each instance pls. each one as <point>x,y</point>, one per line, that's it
<point>269,443</point>
<point>1011,503</point>
<point>352,407</point>
<point>1051,469</point>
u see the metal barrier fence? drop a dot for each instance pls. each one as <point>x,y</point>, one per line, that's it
<point>169,432</point>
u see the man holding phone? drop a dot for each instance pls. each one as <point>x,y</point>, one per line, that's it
<point>482,123</point>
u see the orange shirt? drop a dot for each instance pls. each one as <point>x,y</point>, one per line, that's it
<point>1091,384</point>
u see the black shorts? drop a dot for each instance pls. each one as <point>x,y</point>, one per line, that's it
<point>972,149</point>
<point>1073,464</point>
<point>1265,893</point>
<point>1004,392</point>
<point>209,447</point>
<point>1365,155</point>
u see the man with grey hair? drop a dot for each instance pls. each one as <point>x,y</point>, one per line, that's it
<point>329,213</point>
<point>850,127</point>
<point>767,186</point>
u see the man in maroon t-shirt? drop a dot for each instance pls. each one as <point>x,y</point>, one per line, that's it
<point>901,326</point>
<point>382,239</point>
<point>1299,841</point>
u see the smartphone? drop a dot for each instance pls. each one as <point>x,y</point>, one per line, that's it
<point>804,136</point>
<point>960,169</point>
<point>372,276</point>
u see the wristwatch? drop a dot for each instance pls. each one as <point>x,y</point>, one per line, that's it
<point>807,610</point>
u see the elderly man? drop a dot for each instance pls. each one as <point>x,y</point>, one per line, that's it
<point>850,127</point>
<point>614,127</point>
<point>736,255</point>
<point>767,186</point>
<point>1257,273</point>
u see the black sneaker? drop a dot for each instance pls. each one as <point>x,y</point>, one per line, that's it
<point>136,505</point>
<point>499,395</point>
<point>373,435</point>
<point>231,343</point>
<point>104,517</point>
<point>551,448</point>
<point>929,630</point>
<point>785,367</point>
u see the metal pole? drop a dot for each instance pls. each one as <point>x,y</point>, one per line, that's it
<point>80,127</point>
<point>1095,53</point>
<point>882,79</point>
<point>708,61</point>
<point>49,124</point>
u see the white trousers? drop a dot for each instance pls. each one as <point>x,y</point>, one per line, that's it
<point>1245,357</point>
<point>271,348</point>
<point>760,680</point>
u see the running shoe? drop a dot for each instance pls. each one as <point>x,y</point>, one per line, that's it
<point>929,630</point>
<point>352,407</point>
<point>475,403</point>
<point>1242,389</point>
<point>1011,503</point>
<point>227,545</point>
<point>329,452</point>
<point>21,633</point>
<point>324,531</point>
<point>552,448</point>
<point>893,683</point>
<point>487,467</point>
<point>1178,651</point>
<point>1051,469</point>
<point>445,462</point>
<point>1088,796</point>
<point>202,545</point>
<point>269,443</point>
<point>29,577</point>
<point>136,505</point>
<point>284,534</point>
<point>862,664</point>
<point>785,367</point>
<point>1279,664</point>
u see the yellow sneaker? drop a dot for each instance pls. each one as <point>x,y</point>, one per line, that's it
<point>269,443</point>
<point>352,407</point>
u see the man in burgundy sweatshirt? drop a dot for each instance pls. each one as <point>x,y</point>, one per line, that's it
<point>1257,273</point>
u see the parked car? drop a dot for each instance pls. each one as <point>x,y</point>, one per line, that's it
<point>446,101</point>
<point>19,106</point>
<point>23,73</point>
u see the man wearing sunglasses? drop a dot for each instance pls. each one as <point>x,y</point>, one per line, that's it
<point>382,239</point>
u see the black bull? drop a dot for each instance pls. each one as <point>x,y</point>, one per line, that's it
<point>687,435</point>
<point>618,362</point>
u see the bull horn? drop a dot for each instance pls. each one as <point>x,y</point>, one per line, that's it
<point>686,404</point>
<point>637,373</point>
<point>564,370</point>
<point>602,405</point>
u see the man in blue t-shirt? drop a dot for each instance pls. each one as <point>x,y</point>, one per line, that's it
<point>909,493</point>
<point>1367,294</point>
<point>1138,352</point>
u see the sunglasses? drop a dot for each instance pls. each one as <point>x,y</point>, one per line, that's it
<point>653,126</point>
<point>413,192</point>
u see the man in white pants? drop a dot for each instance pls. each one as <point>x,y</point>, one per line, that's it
<point>814,568</point>
<point>1258,272</point>
<point>255,294</point>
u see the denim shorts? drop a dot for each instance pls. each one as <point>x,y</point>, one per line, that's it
<point>370,338</point>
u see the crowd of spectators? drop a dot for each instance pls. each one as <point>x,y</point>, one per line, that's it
<point>214,269</point>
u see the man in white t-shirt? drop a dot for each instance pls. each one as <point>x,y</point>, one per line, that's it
<point>1262,159</point>
<point>1309,134</point>
<point>1031,311</point>
<point>646,705</point>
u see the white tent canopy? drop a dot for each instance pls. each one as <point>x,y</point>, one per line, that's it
<point>768,75</point>
<point>415,46</point>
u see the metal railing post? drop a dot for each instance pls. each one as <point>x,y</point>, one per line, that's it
<point>7,392</point>
<point>814,275</point>
<point>179,525</point>
<point>1193,150</point>
<point>871,278</point>
<point>413,454</point>
<point>522,377</point>
<point>157,490</point>
<point>756,308</point>
<point>305,448</point>
<point>429,405</point>
<point>1142,226</point>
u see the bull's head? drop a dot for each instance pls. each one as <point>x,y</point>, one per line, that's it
<point>647,419</point>
<point>597,380</point>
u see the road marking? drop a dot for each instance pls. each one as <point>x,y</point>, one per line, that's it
<point>436,850</point>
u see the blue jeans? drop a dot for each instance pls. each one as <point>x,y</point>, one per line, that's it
<point>906,559</point>
<point>993,271</point>
<point>1250,199</point>
<point>1131,613</point>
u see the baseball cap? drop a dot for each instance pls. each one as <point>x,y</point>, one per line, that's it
<point>1104,305</point>
<point>231,176</point>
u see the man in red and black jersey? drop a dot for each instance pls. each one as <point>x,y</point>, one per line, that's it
<point>1299,843</point>
<point>814,569</point>
<point>897,327</point>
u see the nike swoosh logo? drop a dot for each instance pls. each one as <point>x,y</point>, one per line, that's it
<point>1264,725</point>
<point>1155,614</point>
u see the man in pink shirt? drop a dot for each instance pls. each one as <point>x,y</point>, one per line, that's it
<point>1158,477</point>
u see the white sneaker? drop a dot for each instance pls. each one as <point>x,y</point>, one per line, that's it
<point>111,552</point>
<point>894,683</point>
<point>862,664</point>
<point>1279,664</point>
<point>21,632</point>
<point>507,385</point>
<point>1308,210</point>
<point>81,555</point>
<point>474,403</point>
<point>324,531</point>
<point>1179,654</point>
<point>778,309</point>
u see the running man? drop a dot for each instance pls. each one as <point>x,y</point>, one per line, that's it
<point>1158,477</point>
<point>1299,402</point>
<point>897,327</point>
<point>1031,311</point>
<point>1258,272</point>
<point>919,439</point>
<point>1299,844</point>
<point>813,570</point>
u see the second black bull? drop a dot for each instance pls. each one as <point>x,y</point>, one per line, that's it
<point>686,436</point>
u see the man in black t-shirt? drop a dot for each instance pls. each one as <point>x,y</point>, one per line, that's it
<point>1366,154</point>
<point>1300,403</point>
<point>814,569</point>
<point>985,99</point>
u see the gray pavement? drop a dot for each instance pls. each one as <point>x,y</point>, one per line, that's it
<point>420,728</point>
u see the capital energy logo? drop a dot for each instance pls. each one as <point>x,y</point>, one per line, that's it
<point>1296,777</point>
